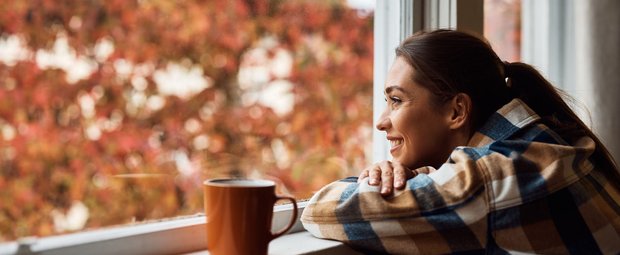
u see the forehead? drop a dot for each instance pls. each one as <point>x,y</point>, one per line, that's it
<point>400,76</point>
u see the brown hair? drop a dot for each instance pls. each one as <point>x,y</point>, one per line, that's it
<point>449,62</point>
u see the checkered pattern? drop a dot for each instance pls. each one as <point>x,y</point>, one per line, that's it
<point>516,188</point>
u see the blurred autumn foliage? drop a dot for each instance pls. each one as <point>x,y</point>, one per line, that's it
<point>502,28</point>
<point>123,107</point>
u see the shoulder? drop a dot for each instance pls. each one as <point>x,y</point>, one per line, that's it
<point>530,164</point>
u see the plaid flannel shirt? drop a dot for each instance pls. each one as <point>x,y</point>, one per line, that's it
<point>516,188</point>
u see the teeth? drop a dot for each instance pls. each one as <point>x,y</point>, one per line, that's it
<point>394,143</point>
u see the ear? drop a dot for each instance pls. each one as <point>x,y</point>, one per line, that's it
<point>459,111</point>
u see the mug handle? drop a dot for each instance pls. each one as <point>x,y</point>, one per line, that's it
<point>290,224</point>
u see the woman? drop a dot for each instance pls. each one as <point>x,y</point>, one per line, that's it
<point>487,157</point>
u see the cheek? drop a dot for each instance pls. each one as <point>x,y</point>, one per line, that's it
<point>419,127</point>
<point>407,124</point>
<point>424,135</point>
<point>415,131</point>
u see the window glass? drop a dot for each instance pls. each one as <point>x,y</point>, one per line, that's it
<point>502,27</point>
<point>114,112</point>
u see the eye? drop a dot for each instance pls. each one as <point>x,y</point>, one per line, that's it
<point>395,100</point>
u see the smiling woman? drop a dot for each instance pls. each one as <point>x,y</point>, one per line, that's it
<point>415,121</point>
<point>487,159</point>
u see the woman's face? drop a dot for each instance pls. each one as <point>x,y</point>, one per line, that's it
<point>416,126</point>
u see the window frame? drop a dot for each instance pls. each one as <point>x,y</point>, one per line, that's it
<point>549,41</point>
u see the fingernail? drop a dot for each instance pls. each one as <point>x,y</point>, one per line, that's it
<point>399,183</point>
<point>373,181</point>
<point>385,190</point>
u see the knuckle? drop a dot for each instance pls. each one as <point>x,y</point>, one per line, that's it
<point>399,170</point>
<point>386,182</point>
<point>387,173</point>
<point>375,172</point>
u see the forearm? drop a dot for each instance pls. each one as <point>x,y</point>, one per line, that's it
<point>357,213</point>
<point>410,220</point>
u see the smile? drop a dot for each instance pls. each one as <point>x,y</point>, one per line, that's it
<point>396,142</point>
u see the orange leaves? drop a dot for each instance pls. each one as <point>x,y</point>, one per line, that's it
<point>63,142</point>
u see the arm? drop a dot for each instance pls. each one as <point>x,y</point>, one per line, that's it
<point>443,211</point>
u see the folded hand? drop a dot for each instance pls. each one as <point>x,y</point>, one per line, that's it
<point>388,175</point>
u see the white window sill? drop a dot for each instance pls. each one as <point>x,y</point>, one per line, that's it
<point>302,243</point>
<point>185,235</point>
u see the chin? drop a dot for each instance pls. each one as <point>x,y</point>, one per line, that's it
<point>408,164</point>
<point>415,165</point>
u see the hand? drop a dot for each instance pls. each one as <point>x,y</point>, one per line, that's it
<point>387,175</point>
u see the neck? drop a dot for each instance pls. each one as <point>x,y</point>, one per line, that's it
<point>458,138</point>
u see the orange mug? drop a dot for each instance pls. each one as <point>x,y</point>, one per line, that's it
<point>239,213</point>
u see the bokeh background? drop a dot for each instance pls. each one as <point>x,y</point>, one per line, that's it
<point>115,111</point>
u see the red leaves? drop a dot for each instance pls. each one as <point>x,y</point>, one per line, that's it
<point>85,141</point>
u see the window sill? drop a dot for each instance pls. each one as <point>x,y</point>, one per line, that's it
<point>174,236</point>
<point>290,244</point>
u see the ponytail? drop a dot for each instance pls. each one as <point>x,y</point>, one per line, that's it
<point>527,84</point>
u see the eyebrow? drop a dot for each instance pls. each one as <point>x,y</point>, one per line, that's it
<point>394,87</point>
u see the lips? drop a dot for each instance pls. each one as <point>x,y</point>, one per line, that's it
<point>395,143</point>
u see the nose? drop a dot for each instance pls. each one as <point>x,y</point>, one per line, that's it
<point>384,122</point>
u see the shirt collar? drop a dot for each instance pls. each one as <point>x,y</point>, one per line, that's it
<point>503,123</point>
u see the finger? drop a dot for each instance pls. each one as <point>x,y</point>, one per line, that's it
<point>387,178</point>
<point>400,175</point>
<point>363,175</point>
<point>375,175</point>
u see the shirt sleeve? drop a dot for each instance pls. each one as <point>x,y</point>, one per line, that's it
<point>443,211</point>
